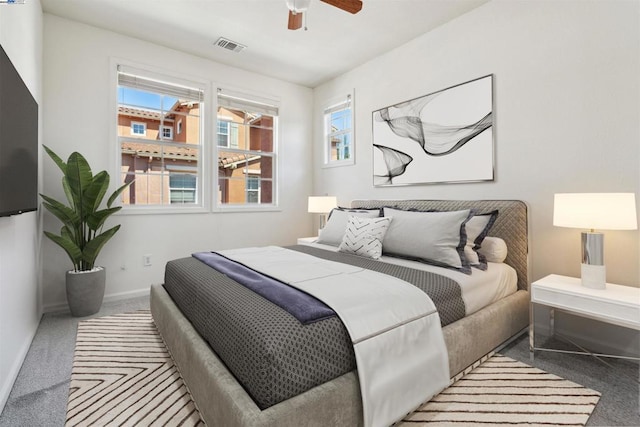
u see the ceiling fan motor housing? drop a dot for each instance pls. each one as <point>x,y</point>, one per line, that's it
<point>298,6</point>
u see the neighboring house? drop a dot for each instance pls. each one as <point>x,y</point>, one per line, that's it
<point>244,178</point>
<point>166,172</point>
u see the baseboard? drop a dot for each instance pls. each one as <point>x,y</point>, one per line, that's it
<point>15,369</point>
<point>63,307</point>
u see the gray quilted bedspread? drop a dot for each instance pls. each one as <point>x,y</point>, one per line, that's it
<point>269,352</point>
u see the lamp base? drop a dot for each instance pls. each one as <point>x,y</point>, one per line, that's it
<point>594,276</point>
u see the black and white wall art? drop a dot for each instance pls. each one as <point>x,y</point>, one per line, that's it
<point>442,137</point>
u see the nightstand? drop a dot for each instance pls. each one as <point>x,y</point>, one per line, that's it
<point>306,240</point>
<point>616,305</point>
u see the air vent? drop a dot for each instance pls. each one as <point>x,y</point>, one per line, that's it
<point>229,45</point>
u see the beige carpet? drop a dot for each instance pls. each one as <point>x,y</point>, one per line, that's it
<point>123,375</point>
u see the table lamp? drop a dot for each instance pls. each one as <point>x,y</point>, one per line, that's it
<point>322,205</point>
<point>603,211</point>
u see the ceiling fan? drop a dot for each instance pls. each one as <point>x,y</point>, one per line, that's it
<point>298,7</point>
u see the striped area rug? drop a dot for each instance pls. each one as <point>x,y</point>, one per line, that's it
<point>501,391</point>
<point>123,376</point>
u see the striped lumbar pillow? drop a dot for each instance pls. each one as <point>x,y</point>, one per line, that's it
<point>363,236</point>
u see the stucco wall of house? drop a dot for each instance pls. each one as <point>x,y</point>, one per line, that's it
<point>566,105</point>
<point>77,78</point>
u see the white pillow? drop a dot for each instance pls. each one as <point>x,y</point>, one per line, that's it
<point>433,237</point>
<point>494,249</point>
<point>477,229</point>
<point>333,231</point>
<point>364,236</point>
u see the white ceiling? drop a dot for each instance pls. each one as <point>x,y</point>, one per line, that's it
<point>334,42</point>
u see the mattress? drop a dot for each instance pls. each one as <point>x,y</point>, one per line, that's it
<point>285,357</point>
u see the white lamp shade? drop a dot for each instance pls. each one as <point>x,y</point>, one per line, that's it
<point>603,211</point>
<point>322,204</point>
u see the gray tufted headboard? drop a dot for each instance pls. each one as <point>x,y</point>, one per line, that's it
<point>511,224</point>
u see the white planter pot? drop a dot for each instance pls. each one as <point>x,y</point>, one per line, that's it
<point>85,291</point>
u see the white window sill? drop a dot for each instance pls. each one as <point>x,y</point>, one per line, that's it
<point>152,210</point>
<point>339,163</point>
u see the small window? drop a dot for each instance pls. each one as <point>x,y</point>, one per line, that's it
<point>182,187</point>
<point>167,132</point>
<point>138,128</point>
<point>253,189</point>
<point>338,133</point>
<point>179,127</point>
<point>223,133</point>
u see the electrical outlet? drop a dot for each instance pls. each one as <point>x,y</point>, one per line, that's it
<point>146,260</point>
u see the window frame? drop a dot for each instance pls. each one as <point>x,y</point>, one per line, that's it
<point>203,175</point>
<point>170,129</point>
<point>333,106</point>
<point>228,134</point>
<point>256,99</point>
<point>144,129</point>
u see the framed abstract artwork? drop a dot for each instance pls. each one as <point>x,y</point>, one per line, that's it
<point>442,137</point>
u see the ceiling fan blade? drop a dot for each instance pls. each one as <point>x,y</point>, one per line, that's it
<point>351,6</point>
<point>295,21</point>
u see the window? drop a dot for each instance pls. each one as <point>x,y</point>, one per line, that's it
<point>164,172</point>
<point>167,132</point>
<point>223,133</point>
<point>182,187</point>
<point>253,189</point>
<point>246,150</point>
<point>139,129</point>
<point>338,133</point>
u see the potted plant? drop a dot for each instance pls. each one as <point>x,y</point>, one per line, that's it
<point>82,236</point>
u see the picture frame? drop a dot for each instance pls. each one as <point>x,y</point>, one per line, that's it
<point>445,136</point>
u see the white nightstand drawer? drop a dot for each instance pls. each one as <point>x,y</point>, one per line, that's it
<point>619,305</point>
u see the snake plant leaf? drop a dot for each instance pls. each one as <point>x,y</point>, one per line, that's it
<point>94,192</point>
<point>93,247</point>
<point>74,252</point>
<point>58,161</point>
<point>116,193</point>
<point>79,177</point>
<point>64,213</point>
<point>97,219</point>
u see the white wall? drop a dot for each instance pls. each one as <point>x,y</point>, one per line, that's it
<point>567,97</point>
<point>79,117</point>
<point>21,38</point>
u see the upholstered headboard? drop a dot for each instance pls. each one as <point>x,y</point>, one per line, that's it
<point>511,224</point>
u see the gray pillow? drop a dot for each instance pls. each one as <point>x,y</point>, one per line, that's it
<point>333,231</point>
<point>436,238</point>
<point>477,229</point>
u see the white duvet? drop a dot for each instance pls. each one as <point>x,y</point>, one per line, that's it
<point>395,329</point>
<point>479,289</point>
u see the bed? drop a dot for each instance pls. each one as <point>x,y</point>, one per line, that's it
<point>223,400</point>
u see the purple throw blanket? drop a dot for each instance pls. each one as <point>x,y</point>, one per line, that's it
<point>304,307</point>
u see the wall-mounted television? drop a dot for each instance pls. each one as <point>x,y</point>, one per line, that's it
<point>18,142</point>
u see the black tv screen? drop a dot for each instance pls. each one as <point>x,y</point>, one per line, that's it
<point>18,142</point>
